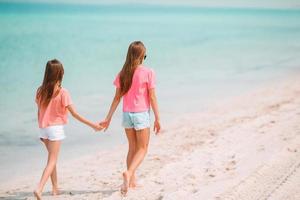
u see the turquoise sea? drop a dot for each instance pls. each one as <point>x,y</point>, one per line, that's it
<point>200,55</point>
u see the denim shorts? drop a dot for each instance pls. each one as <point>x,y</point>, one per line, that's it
<point>136,120</point>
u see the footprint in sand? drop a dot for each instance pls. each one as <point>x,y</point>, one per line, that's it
<point>211,175</point>
<point>231,156</point>
<point>231,165</point>
<point>155,158</point>
<point>191,176</point>
<point>211,132</point>
<point>261,148</point>
<point>293,150</point>
<point>160,197</point>
<point>212,141</point>
<point>158,182</point>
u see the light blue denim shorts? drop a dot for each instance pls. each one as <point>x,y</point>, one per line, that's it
<point>136,120</point>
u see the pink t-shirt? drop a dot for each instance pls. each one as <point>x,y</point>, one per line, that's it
<point>56,112</point>
<point>137,98</point>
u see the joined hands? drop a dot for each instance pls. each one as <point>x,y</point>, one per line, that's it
<point>105,124</point>
<point>97,127</point>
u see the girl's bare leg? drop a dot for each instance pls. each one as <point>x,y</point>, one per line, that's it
<point>53,150</point>
<point>142,137</point>
<point>55,190</point>
<point>132,146</point>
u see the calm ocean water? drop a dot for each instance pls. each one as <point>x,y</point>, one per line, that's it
<point>199,54</point>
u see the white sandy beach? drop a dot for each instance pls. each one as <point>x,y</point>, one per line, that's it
<point>244,148</point>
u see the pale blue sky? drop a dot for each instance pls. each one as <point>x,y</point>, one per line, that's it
<point>206,3</point>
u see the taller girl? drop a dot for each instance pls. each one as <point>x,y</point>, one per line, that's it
<point>136,84</point>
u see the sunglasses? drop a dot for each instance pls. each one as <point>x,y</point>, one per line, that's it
<point>145,56</point>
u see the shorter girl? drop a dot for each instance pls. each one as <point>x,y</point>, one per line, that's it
<point>53,103</point>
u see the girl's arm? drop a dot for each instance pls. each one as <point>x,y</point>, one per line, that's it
<point>75,114</point>
<point>154,105</point>
<point>112,109</point>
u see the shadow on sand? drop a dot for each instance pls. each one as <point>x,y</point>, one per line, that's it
<point>25,195</point>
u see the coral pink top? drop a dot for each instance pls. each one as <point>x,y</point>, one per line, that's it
<point>137,98</point>
<point>56,112</point>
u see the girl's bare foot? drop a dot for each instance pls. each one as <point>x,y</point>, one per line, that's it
<point>37,195</point>
<point>55,192</point>
<point>125,185</point>
<point>132,183</point>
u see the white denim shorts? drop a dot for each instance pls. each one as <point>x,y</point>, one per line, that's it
<point>136,120</point>
<point>53,133</point>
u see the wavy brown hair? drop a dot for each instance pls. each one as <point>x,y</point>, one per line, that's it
<point>135,56</point>
<point>54,73</point>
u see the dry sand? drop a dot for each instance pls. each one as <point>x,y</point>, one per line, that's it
<point>244,148</point>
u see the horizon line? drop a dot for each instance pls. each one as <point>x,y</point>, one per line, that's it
<point>155,4</point>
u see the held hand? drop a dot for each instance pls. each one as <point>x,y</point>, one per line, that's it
<point>97,127</point>
<point>105,124</point>
<point>156,127</point>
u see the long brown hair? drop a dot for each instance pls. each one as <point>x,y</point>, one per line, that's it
<point>53,74</point>
<point>135,56</point>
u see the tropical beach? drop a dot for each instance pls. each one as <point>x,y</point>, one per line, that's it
<point>227,86</point>
<point>246,147</point>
